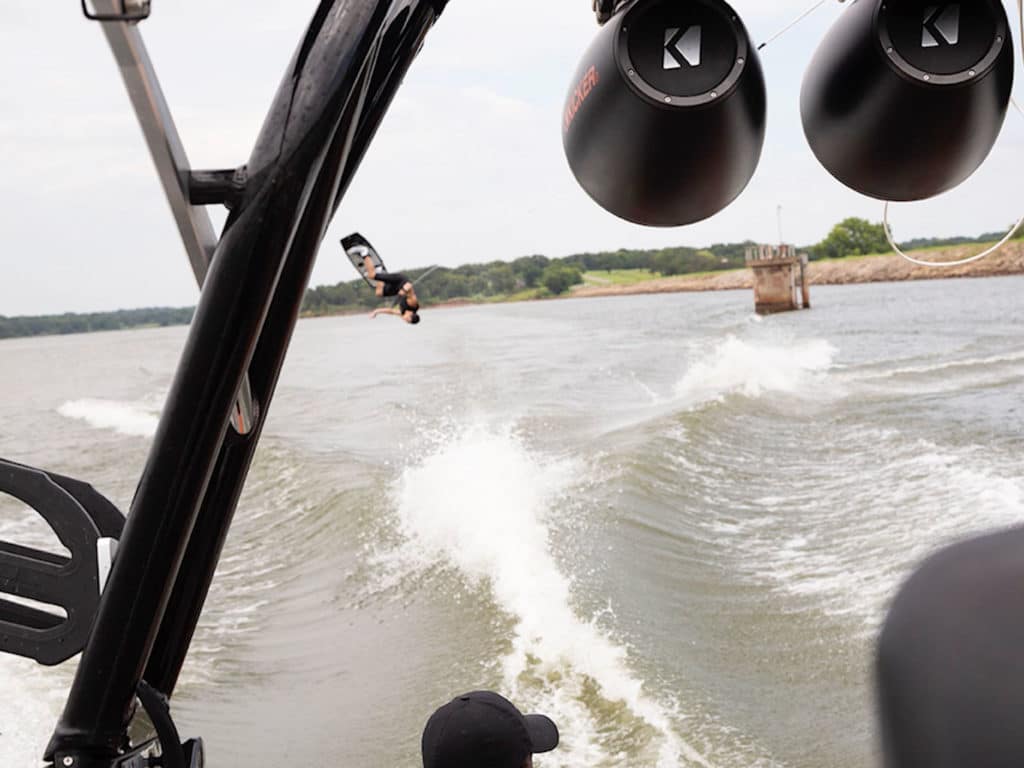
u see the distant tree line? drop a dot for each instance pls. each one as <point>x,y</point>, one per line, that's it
<point>860,237</point>
<point>11,327</point>
<point>527,276</point>
<point>943,242</point>
<point>530,275</point>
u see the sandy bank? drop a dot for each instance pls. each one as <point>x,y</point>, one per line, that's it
<point>869,269</point>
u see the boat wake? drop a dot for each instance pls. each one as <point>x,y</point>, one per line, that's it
<point>484,503</point>
<point>138,419</point>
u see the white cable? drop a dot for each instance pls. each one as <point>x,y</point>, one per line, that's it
<point>987,251</point>
<point>796,21</point>
<point>977,257</point>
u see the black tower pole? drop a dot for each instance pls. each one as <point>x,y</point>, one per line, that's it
<point>250,300</point>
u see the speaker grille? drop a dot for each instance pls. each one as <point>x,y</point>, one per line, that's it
<point>941,38</point>
<point>681,49</point>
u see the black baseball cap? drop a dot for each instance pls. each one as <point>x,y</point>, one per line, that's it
<point>484,730</point>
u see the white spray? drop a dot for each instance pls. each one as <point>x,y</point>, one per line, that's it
<point>481,503</point>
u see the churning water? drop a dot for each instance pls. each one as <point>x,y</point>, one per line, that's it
<point>667,523</point>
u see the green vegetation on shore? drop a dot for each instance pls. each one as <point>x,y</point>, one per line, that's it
<point>44,325</point>
<point>534,277</point>
<point>525,278</point>
<point>619,277</point>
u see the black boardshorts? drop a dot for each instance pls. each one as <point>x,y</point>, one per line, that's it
<point>393,282</point>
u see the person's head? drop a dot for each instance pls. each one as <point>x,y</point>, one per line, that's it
<point>412,316</point>
<point>484,729</point>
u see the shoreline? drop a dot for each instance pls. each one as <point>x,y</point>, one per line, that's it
<point>884,268</point>
<point>853,270</point>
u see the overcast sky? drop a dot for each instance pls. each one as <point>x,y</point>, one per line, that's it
<point>468,165</point>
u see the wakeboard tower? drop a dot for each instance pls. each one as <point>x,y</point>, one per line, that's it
<point>133,627</point>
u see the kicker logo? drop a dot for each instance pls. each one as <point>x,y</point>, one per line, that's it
<point>941,23</point>
<point>579,95</point>
<point>682,47</point>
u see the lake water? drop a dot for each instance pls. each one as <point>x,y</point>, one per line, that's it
<point>669,524</point>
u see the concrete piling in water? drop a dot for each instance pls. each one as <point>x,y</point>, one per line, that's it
<point>780,278</point>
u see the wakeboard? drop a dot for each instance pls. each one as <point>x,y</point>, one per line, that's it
<point>357,248</point>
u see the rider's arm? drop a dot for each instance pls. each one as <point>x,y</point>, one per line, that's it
<point>385,312</point>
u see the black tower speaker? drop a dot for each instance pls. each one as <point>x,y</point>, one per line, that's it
<point>904,98</point>
<point>665,119</point>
